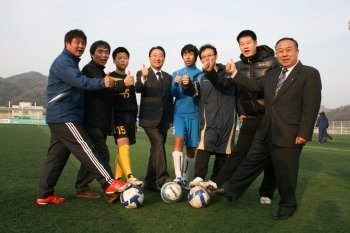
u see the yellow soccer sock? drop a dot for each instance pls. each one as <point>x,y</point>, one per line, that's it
<point>124,160</point>
<point>118,170</point>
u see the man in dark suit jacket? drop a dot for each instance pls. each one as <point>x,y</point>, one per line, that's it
<point>156,115</point>
<point>287,126</point>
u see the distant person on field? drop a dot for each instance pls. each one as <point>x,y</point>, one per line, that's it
<point>64,116</point>
<point>125,114</point>
<point>322,124</point>
<point>186,122</point>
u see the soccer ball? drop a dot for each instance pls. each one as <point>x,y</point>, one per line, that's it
<point>171,192</point>
<point>198,197</point>
<point>132,197</point>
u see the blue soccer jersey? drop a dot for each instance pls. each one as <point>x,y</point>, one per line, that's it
<point>186,116</point>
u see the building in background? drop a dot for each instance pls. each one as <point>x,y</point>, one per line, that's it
<point>26,110</point>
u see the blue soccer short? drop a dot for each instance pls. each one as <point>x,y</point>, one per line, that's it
<point>188,128</point>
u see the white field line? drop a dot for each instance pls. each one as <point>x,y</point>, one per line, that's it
<point>323,148</point>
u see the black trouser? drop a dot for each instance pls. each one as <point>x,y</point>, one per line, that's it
<point>66,138</point>
<point>202,162</point>
<point>157,172</point>
<point>240,151</point>
<point>98,138</point>
<point>285,161</point>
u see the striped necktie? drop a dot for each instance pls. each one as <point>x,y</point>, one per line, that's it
<point>280,80</point>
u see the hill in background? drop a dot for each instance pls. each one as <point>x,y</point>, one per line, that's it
<point>26,87</point>
<point>31,87</point>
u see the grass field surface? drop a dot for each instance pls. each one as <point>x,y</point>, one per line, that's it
<point>323,194</point>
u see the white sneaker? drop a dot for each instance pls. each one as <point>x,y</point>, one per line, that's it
<point>196,182</point>
<point>265,201</point>
<point>209,184</point>
<point>135,182</point>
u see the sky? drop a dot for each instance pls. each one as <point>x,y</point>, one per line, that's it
<point>32,32</point>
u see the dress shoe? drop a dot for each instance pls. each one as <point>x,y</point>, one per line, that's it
<point>281,215</point>
<point>223,193</point>
<point>87,194</point>
<point>112,198</point>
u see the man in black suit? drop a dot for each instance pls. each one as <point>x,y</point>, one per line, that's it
<point>156,115</point>
<point>290,113</point>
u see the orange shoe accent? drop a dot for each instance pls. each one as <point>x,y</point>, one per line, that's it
<point>54,200</point>
<point>116,186</point>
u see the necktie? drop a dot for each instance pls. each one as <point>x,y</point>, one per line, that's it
<point>280,80</point>
<point>160,79</point>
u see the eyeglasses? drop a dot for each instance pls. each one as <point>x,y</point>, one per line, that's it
<point>208,56</point>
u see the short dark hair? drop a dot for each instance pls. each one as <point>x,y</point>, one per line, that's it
<point>99,43</point>
<point>206,46</point>
<point>156,47</point>
<point>190,48</point>
<point>120,50</point>
<point>287,38</point>
<point>244,33</point>
<point>75,33</point>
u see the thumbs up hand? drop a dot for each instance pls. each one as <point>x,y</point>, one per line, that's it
<point>108,81</point>
<point>144,72</point>
<point>129,79</point>
<point>177,77</point>
<point>231,67</point>
<point>185,78</point>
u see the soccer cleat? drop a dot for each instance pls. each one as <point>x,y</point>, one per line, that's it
<point>135,182</point>
<point>196,182</point>
<point>185,184</point>
<point>54,200</point>
<point>117,186</point>
<point>209,184</point>
<point>265,201</point>
<point>210,187</point>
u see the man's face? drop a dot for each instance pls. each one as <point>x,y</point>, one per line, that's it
<point>76,46</point>
<point>101,55</point>
<point>287,53</point>
<point>189,58</point>
<point>121,61</point>
<point>247,46</point>
<point>156,59</point>
<point>208,55</point>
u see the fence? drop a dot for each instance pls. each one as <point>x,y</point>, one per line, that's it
<point>18,121</point>
<point>339,127</point>
<point>335,127</point>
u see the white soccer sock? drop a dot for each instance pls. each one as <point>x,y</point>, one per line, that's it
<point>177,161</point>
<point>187,167</point>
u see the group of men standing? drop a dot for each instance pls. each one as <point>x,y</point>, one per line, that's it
<point>276,100</point>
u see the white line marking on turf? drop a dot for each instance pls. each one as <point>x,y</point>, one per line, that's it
<point>322,148</point>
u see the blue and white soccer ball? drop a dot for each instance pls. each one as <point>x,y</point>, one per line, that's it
<point>132,197</point>
<point>171,192</point>
<point>198,197</point>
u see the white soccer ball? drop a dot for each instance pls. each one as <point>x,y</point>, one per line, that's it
<point>171,192</point>
<point>198,197</point>
<point>132,197</point>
